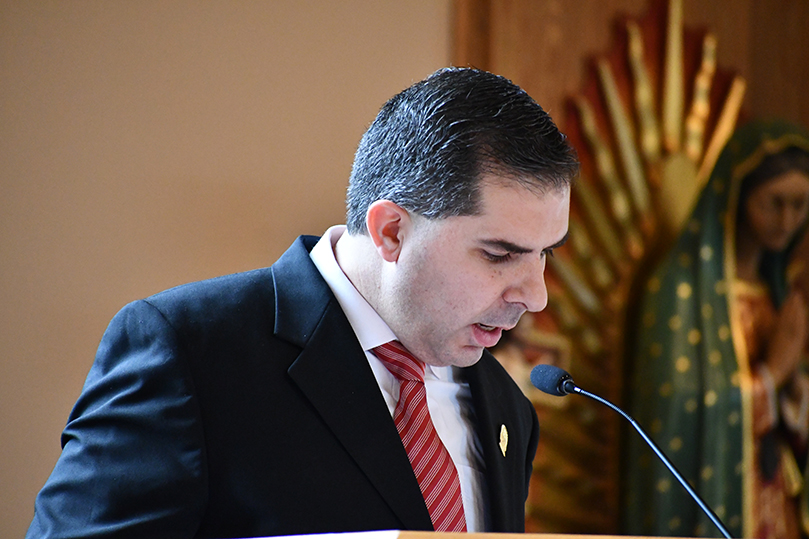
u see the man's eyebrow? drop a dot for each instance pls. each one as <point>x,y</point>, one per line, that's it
<point>518,249</point>
<point>560,242</point>
<point>506,246</point>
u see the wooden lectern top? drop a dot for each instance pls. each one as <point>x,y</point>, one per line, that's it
<point>399,534</point>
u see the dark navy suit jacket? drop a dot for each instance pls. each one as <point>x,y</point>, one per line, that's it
<point>244,406</point>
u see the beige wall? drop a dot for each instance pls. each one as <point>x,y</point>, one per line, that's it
<point>146,144</point>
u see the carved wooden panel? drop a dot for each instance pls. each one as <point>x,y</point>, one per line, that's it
<point>648,124</point>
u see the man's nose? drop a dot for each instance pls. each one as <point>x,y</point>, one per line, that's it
<point>530,289</point>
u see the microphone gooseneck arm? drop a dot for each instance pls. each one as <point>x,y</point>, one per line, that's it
<point>704,506</point>
<point>555,381</point>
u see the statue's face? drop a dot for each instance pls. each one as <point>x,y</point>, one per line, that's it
<point>776,209</point>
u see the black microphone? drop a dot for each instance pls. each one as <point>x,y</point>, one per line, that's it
<point>555,381</point>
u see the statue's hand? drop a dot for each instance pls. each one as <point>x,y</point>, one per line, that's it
<point>788,341</point>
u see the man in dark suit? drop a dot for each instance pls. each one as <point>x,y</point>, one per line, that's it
<point>262,404</point>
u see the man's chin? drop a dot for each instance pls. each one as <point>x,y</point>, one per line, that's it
<point>468,356</point>
<point>463,356</point>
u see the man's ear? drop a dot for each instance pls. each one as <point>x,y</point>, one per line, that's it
<point>387,223</point>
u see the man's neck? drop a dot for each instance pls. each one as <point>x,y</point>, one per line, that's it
<point>356,256</point>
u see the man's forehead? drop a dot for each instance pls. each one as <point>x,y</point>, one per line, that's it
<point>513,213</point>
<point>490,193</point>
<point>502,196</point>
<point>511,207</point>
<point>538,186</point>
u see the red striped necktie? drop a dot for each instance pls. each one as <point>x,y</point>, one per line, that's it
<point>434,469</point>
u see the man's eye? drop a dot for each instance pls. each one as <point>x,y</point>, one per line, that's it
<point>549,252</point>
<point>497,259</point>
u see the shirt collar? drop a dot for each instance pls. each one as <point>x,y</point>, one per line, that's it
<point>370,329</point>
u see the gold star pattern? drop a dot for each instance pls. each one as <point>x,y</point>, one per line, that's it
<point>683,364</point>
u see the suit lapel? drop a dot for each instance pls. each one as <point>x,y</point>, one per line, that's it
<point>492,414</point>
<point>333,372</point>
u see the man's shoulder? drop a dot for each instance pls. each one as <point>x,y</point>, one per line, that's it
<point>232,286</point>
<point>241,286</point>
<point>235,294</point>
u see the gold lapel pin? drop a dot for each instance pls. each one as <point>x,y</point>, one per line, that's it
<point>503,439</point>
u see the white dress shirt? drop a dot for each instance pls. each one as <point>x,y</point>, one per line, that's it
<point>449,399</point>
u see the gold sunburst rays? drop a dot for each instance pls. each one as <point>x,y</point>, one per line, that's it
<point>673,91</point>
<point>648,128</point>
<point>700,104</point>
<point>648,162</point>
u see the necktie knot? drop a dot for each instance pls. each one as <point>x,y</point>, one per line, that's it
<point>400,362</point>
